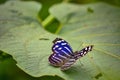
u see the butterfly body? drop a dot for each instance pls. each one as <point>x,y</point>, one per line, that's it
<point>63,55</point>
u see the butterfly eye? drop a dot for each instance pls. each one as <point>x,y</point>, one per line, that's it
<point>63,55</point>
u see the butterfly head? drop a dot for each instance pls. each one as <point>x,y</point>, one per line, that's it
<point>57,39</point>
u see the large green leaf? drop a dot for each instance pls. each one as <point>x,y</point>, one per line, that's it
<point>97,24</point>
<point>23,37</point>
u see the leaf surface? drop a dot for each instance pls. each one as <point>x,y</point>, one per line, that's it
<point>96,24</point>
<point>30,45</point>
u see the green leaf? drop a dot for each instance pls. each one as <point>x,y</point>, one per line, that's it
<point>97,24</point>
<point>30,45</point>
<point>23,37</point>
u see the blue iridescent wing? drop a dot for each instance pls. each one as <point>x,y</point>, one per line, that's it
<point>58,59</point>
<point>62,47</point>
<point>61,52</point>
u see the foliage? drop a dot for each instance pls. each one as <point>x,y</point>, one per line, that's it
<point>23,36</point>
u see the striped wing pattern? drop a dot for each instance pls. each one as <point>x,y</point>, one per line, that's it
<point>63,55</point>
<point>61,46</point>
<point>77,55</point>
<point>61,52</point>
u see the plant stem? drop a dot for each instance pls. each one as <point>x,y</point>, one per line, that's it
<point>59,28</point>
<point>47,21</point>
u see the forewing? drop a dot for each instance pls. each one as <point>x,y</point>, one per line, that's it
<point>62,47</point>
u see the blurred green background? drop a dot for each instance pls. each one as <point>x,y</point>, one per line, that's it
<point>8,69</point>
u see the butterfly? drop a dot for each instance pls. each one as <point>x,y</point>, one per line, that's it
<point>63,55</point>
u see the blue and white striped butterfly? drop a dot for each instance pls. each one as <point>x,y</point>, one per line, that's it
<point>63,55</point>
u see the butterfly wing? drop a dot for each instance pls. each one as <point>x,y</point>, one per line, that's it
<point>55,60</point>
<point>83,52</point>
<point>76,56</point>
<point>62,47</point>
<point>68,64</point>
<point>61,52</point>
